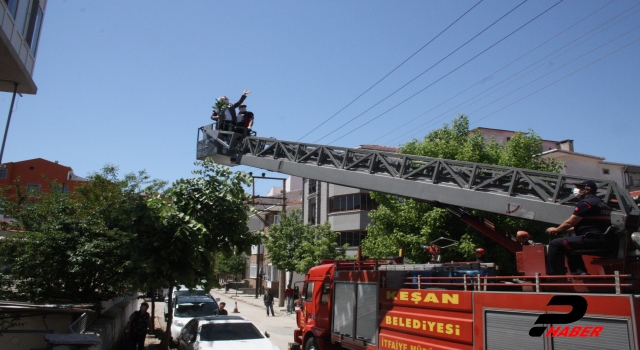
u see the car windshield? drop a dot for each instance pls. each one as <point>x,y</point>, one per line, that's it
<point>195,309</point>
<point>182,293</point>
<point>229,331</point>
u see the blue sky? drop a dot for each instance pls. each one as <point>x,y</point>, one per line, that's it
<point>129,83</point>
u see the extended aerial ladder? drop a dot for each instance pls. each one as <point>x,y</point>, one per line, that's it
<point>528,194</point>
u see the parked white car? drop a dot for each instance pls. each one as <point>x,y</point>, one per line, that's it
<point>223,333</point>
<point>188,307</point>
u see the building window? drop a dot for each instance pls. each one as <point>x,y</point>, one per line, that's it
<point>606,171</point>
<point>64,188</point>
<point>4,172</point>
<point>358,201</point>
<point>22,20</point>
<point>313,186</point>
<point>352,238</point>
<point>12,7</point>
<point>272,273</point>
<point>312,213</point>
<point>253,270</point>
<point>33,188</point>
<point>33,33</point>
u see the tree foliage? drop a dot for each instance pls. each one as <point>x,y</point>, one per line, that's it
<point>406,223</point>
<point>75,247</point>
<point>293,246</point>
<point>231,265</point>
<point>180,232</point>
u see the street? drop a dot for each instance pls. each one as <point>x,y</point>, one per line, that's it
<point>280,327</point>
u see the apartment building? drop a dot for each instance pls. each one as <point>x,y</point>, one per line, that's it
<point>346,209</point>
<point>35,175</point>
<point>21,24</point>
<point>578,164</point>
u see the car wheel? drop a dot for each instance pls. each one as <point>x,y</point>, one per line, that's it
<point>311,344</point>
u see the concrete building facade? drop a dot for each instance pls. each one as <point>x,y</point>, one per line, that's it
<point>579,164</point>
<point>20,27</point>
<point>37,174</point>
<point>346,209</point>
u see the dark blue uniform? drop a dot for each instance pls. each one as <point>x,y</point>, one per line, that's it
<point>588,234</point>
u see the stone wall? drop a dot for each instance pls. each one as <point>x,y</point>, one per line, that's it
<point>111,324</point>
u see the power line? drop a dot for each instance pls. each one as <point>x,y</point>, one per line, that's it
<point>428,123</point>
<point>556,81</point>
<point>393,70</point>
<point>504,67</point>
<point>460,66</point>
<point>564,65</point>
<point>419,75</point>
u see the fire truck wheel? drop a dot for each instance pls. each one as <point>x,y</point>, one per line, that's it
<point>311,344</point>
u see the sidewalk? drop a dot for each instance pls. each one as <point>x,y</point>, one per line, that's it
<point>249,299</point>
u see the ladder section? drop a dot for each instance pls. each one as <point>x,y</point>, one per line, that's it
<point>529,194</point>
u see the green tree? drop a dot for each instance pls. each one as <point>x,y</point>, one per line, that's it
<point>406,223</point>
<point>179,232</point>
<point>293,246</point>
<point>75,245</point>
<point>231,265</point>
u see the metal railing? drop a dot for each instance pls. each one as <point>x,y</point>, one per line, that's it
<point>607,283</point>
<point>24,338</point>
<point>83,322</point>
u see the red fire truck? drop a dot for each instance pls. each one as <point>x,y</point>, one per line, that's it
<point>385,304</point>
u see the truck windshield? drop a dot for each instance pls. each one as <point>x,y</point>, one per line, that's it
<point>229,331</point>
<point>309,292</point>
<point>195,309</point>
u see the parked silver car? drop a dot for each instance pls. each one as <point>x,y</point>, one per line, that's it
<point>223,333</point>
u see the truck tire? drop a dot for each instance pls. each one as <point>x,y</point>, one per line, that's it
<point>311,344</point>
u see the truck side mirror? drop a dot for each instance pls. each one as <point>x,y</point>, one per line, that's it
<point>266,334</point>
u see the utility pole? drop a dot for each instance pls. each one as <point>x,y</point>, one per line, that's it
<point>283,273</point>
<point>6,129</point>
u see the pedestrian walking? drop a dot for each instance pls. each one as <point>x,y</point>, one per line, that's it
<point>288,295</point>
<point>268,301</point>
<point>139,322</point>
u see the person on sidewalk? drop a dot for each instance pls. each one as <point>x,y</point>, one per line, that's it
<point>138,324</point>
<point>221,311</point>
<point>288,296</point>
<point>268,301</point>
